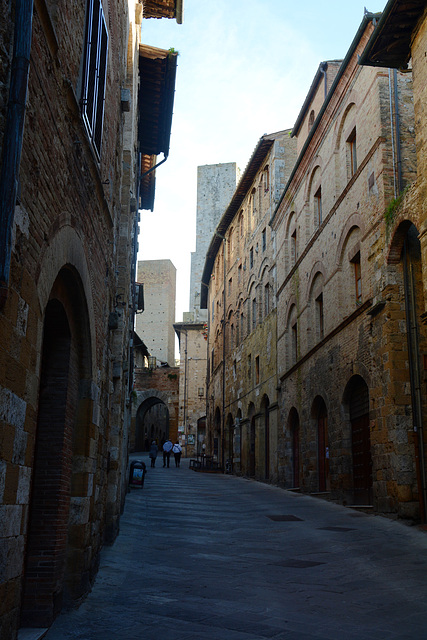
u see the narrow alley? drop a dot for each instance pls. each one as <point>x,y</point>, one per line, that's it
<point>217,557</point>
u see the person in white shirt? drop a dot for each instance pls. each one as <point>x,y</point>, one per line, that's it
<point>177,453</point>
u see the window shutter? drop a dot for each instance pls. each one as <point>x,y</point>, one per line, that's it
<point>102,73</point>
<point>95,69</point>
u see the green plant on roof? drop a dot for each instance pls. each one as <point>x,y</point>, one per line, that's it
<point>393,206</point>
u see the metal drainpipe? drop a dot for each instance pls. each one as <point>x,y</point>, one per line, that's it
<point>398,145</point>
<point>414,374</point>
<point>392,134</point>
<point>13,134</point>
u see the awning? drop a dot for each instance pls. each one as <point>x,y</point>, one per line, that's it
<point>157,71</point>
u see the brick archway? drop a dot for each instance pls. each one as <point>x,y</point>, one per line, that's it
<point>57,566</point>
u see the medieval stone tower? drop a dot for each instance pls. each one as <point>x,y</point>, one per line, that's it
<point>155,325</point>
<point>216,184</point>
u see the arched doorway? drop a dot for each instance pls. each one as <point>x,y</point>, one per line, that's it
<point>265,408</point>
<point>320,415</point>
<point>358,403</point>
<point>57,565</point>
<point>152,423</point>
<point>217,433</point>
<point>252,441</point>
<point>293,428</point>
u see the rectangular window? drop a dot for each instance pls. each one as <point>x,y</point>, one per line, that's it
<point>294,343</point>
<point>257,370</point>
<point>319,316</point>
<point>357,277</point>
<point>294,247</point>
<point>267,299</point>
<point>248,315</point>
<point>264,240</point>
<point>251,258</point>
<point>94,73</point>
<point>239,274</point>
<point>351,145</point>
<point>253,313</point>
<point>318,207</point>
<point>230,284</point>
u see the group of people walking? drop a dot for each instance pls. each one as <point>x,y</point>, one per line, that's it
<point>168,449</point>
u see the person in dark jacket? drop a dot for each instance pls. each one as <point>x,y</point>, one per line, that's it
<point>153,453</point>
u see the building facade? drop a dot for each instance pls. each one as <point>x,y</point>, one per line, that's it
<point>215,187</point>
<point>315,357</point>
<point>70,188</point>
<point>238,289</point>
<point>399,42</point>
<point>342,360</point>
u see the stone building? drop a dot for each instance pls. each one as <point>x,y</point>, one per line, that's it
<point>155,325</point>
<point>342,361</point>
<point>71,182</point>
<point>315,386</point>
<point>215,187</point>
<point>238,288</point>
<point>399,42</point>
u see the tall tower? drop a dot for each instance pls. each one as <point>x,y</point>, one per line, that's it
<point>216,184</point>
<point>155,325</point>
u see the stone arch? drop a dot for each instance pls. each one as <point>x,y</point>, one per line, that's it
<point>63,459</point>
<point>151,420</point>
<point>394,254</point>
<point>66,248</point>
<point>318,268</point>
<point>354,220</point>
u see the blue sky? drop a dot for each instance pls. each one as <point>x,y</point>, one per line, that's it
<point>244,69</point>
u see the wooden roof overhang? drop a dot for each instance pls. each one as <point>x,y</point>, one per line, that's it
<point>390,43</point>
<point>157,71</point>
<point>261,150</point>
<point>163,9</point>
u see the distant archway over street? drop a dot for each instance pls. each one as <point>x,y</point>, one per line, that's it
<point>155,407</point>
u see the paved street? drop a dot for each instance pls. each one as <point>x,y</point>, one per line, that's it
<point>214,557</point>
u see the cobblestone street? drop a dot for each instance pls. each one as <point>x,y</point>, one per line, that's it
<point>217,557</point>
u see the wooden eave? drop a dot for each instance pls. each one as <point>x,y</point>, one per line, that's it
<point>390,44</point>
<point>163,9</point>
<point>157,70</point>
<point>255,163</point>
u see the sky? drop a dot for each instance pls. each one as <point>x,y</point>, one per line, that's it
<point>244,69</point>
